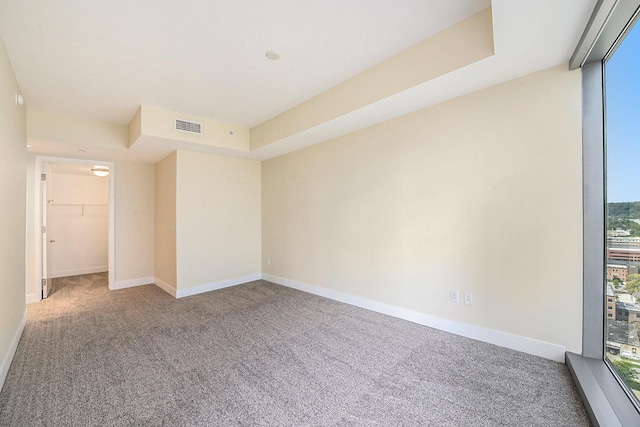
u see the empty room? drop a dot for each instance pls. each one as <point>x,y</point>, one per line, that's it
<point>305,213</point>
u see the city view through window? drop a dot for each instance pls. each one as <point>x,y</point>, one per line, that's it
<point>622,282</point>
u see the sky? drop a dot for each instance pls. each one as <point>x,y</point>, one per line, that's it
<point>622,77</point>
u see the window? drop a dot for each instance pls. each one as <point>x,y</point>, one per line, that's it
<point>607,394</point>
<point>622,207</point>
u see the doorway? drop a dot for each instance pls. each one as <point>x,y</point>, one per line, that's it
<point>76,219</point>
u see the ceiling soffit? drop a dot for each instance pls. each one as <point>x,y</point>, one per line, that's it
<point>462,44</point>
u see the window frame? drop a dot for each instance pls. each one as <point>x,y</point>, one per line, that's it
<point>607,401</point>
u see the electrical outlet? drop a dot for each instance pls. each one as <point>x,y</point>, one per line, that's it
<point>268,261</point>
<point>468,298</point>
<point>453,296</point>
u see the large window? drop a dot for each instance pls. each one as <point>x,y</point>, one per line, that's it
<point>622,212</point>
<point>607,373</point>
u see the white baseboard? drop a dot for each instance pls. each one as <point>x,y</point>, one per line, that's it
<point>130,283</point>
<point>165,286</point>
<point>79,271</point>
<point>33,298</point>
<point>503,339</point>
<point>8,358</point>
<point>180,293</point>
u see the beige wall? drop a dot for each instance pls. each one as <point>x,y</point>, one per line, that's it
<point>134,220</point>
<point>218,219</point>
<point>13,162</point>
<point>32,252</point>
<point>480,194</point>
<point>47,126</point>
<point>165,221</point>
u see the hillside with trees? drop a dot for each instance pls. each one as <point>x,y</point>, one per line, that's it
<point>624,210</point>
<point>619,216</point>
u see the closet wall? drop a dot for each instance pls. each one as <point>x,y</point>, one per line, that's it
<point>78,222</point>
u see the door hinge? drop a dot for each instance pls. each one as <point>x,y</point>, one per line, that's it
<point>43,177</point>
<point>43,228</point>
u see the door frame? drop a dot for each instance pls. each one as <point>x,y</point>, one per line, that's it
<point>38,244</point>
<point>45,258</point>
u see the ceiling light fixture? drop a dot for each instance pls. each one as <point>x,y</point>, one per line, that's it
<point>272,55</point>
<point>100,171</point>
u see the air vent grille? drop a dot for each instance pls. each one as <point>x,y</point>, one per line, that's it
<point>186,126</point>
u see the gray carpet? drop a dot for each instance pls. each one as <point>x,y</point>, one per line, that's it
<point>260,354</point>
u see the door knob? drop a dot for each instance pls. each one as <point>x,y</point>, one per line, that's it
<point>52,241</point>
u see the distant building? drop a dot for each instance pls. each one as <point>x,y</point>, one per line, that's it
<point>622,338</point>
<point>618,232</point>
<point>625,297</point>
<point>617,270</point>
<point>627,312</point>
<point>623,242</point>
<point>623,254</point>
<point>611,303</point>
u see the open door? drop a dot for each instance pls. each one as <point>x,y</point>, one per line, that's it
<point>45,190</point>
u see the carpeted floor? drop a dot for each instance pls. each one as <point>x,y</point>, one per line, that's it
<point>260,354</point>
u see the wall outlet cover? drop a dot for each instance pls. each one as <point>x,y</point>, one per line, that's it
<point>454,296</point>
<point>468,298</point>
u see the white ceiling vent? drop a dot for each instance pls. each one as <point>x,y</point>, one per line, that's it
<point>186,126</point>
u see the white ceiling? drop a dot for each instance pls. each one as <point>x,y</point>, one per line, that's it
<point>102,60</point>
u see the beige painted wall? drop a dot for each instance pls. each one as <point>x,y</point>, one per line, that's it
<point>218,218</point>
<point>13,162</point>
<point>43,125</point>
<point>134,220</point>
<point>33,259</point>
<point>165,220</point>
<point>481,193</point>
